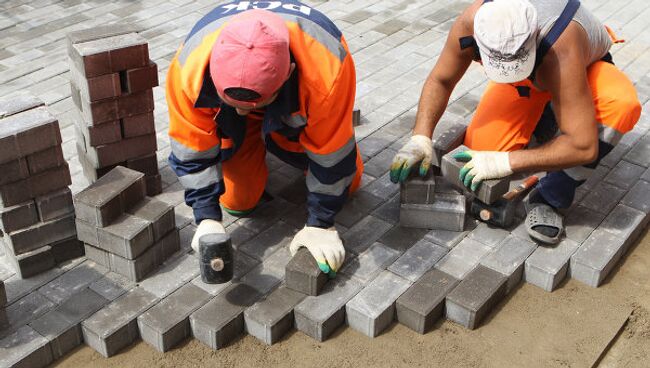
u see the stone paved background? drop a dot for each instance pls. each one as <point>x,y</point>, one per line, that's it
<point>395,44</point>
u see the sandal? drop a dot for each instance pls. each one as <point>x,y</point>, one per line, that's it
<point>544,224</point>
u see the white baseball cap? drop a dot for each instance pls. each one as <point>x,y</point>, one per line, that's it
<point>506,34</point>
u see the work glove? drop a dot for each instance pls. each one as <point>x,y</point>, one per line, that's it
<point>206,226</point>
<point>482,165</point>
<point>418,148</point>
<point>323,244</point>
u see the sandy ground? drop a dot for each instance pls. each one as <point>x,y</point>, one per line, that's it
<point>571,327</point>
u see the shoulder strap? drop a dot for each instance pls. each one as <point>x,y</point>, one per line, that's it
<point>556,31</point>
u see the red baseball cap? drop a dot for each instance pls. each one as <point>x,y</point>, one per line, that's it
<point>252,52</point>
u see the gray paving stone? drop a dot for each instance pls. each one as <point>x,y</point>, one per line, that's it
<point>596,258</point>
<point>18,103</point>
<point>39,235</point>
<point>109,54</point>
<point>416,261</point>
<point>488,192</point>
<point>302,274</point>
<point>446,213</point>
<point>370,263</point>
<point>67,249</point>
<point>62,335</point>
<point>114,327</point>
<point>358,205</point>
<point>112,285</point>
<point>25,310</point>
<point>603,198</point>
<point>25,348</point>
<point>418,190</point>
<point>269,241</point>
<point>639,196</point>
<point>137,269</point>
<point>159,213</point>
<point>380,163</point>
<point>243,265</point>
<point>221,320</point>
<point>580,222</point>
<point>463,258</point>
<point>271,318</point>
<point>373,309</point>
<point>624,174</point>
<point>389,211</point>
<point>626,222</point>
<point>474,297</point>
<point>167,323</point>
<point>640,153</point>
<point>127,236</point>
<point>360,236</point>
<point>265,215</point>
<point>445,238</point>
<point>508,258</point>
<point>319,316</point>
<point>447,141</point>
<point>381,187</point>
<point>17,288</point>
<point>81,305</point>
<point>547,266</point>
<point>172,275</point>
<point>615,155</point>
<point>97,255</point>
<point>646,175</point>
<point>270,273</point>
<point>73,281</point>
<point>402,238</point>
<point>489,235</point>
<point>31,263</point>
<point>424,302</point>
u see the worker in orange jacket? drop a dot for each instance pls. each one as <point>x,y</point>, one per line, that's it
<point>253,77</point>
<point>550,74</point>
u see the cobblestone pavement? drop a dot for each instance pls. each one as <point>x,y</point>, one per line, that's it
<point>395,44</point>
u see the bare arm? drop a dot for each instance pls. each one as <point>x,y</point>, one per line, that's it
<point>564,75</point>
<point>450,68</point>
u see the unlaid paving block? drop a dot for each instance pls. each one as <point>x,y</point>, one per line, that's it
<point>270,273</point>
<point>18,103</point>
<point>364,233</point>
<point>603,197</point>
<point>580,222</point>
<point>417,260</point>
<point>97,255</point>
<point>18,217</point>
<point>626,222</point>
<point>302,274</point>
<point>508,258</point>
<point>39,235</point>
<point>14,170</point>
<point>62,335</point>
<point>418,190</point>
<point>424,302</point>
<point>242,265</point>
<point>271,318</point>
<point>450,139</point>
<point>596,258</point>
<point>624,174</point>
<point>107,198</point>
<point>138,268</point>
<point>548,265</point>
<point>73,281</point>
<point>172,275</point>
<point>319,316</point>
<point>128,236</point>
<point>222,319</point>
<point>55,205</point>
<point>103,31</point>
<point>121,151</point>
<point>488,192</point>
<point>67,249</point>
<point>35,186</point>
<point>95,88</point>
<point>27,132</point>
<point>95,135</point>
<point>640,152</point>
<point>25,348</point>
<point>269,241</point>
<point>32,262</point>
<point>446,213</point>
<point>167,323</point>
<point>469,302</point>
<point>45,160</point>
<point>140,79</point>
<point>115,327</point>
<point>463,258</point>
<point>148,165</point>
<point>639,196</point>
<point>110,54</point>
<point>372,310</point>
<point>370,263</point>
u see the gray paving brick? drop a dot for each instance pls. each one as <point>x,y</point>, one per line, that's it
<point>373,309</point>
<point>424,302</point>
<point>488,192</point>
<point>62,335</point>
<point>115,327</point>
<point>25,348</point>
<point>638,197</point>
<point>243,265</point>
<point>418,260</point>
<point>112,285</point>
<point>103,31</point>
<point>172,275</point>
<point>646,175</point>
<point>55,205</point>
<point>489,235</point>
<point>360,236</point>
<point>72,281</point>
<point>358,205</point>
<point>265,215</point>
<point>626,222</point>
<point>17,288</point>
<point>128,236</point>
<point>596,258</point>
<point>615,155</point>
<point>640,153</point>
<point>319,316</point>
<point>106,199</point>
<point>446,238</point>
<point>580,222</point>
<point>18,103</point>
<point>39,235</point>
<point>30,263</point>
<point>547,266</point>
<point>221,320</point>
<point>138,268</point>
<point>603,198</point>
<point>447,141</point>
<point>624,174</point>
<point>159,213</point>
<point>389,211</point>
<point>269,241</point>
<point>463,258</point>
<point>302,274</point>
<point>474,297</point>
<point>446,213</point>
<point>97,255</point>
<point>25,310</point>
<point>271,318</point>
<point>167,323</point>
<point>508,258</point>
<point>370,263</point>
<point>270,273</point>
<point>418,190</point>
<point>380,163</point>
<point>67,249</point>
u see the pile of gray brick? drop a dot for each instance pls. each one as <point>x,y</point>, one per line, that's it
<point>111,78</point>
<point>122,228</point>
<point>36,212</point>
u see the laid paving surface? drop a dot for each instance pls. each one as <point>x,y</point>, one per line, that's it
<point>394,46</point>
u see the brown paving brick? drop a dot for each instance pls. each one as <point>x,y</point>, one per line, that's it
<point>141,79</point>
<point>138,125</point>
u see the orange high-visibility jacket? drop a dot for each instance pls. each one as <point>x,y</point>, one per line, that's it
<point>309,124</point>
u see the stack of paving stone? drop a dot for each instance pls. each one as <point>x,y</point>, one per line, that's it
<point>36,212</point>
<point>122,229</point>
<point>111,78</point>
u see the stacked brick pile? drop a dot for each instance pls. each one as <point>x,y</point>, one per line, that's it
<point>122,228</point>
<point>111,78</point>
<point>36,212</point>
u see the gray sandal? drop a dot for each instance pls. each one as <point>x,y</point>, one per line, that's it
<point>544,215</point>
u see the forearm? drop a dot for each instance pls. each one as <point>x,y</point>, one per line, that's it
<point>433,101</point>
<point>560,153</point>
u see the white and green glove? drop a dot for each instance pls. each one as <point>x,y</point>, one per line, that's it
<point>325,246</point>
<point>482,165</point>
<point>206,226</point>
<point>418,149</point>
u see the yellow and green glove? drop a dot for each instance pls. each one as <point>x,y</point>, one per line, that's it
<point>418,149</point>
<point>482,165</point>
